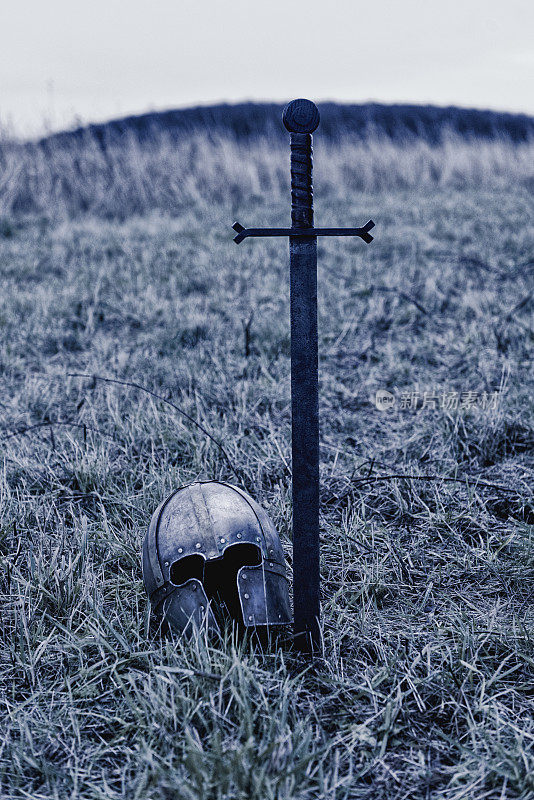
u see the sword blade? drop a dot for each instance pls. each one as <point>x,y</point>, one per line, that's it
<point>305,439</point>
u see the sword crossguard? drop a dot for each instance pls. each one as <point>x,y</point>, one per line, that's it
<point>365,235</point>
<point>245,233</point>
<point>241,232</point>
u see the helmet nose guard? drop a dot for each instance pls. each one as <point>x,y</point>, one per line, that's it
<point>212,552</point>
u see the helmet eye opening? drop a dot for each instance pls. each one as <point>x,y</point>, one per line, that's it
<point>242,554</point>
<point>186,568</point>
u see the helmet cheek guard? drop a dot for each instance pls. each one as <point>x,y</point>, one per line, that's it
<point>187,607</point>
<point>211,553</point>
<point>263,595</point>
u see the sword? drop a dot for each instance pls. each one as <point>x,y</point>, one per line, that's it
<point>301,118</point>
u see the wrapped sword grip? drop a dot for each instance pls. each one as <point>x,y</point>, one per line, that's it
<point>301,180</point>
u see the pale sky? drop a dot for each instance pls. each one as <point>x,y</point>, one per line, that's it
<point>93,60</point>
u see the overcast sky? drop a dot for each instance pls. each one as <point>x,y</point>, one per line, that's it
<point>96,59</point>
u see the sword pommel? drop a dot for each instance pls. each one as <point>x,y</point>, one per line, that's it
<point>301,116</point>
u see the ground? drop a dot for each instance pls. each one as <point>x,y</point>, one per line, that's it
<point>424,686</point>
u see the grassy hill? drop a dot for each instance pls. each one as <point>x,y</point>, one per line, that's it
<point>168,161</point>
<point>118,263</point>
<point>338,120</point>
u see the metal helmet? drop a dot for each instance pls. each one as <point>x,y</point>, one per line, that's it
<point>212,551</point>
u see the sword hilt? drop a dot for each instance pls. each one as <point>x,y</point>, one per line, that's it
<point>301,118</point>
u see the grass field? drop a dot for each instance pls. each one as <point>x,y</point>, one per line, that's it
<point>426,683</point>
